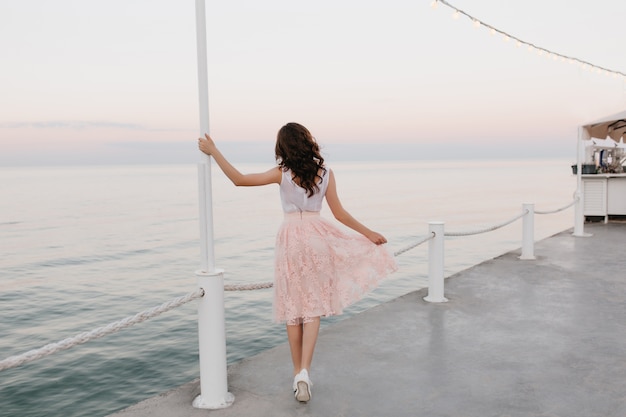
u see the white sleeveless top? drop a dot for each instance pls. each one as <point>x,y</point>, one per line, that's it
<point>295,198</point>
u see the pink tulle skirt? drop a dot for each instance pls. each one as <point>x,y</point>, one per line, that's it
<point>320,269</point>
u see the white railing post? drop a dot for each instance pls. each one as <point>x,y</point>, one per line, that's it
<point>579,215</point>
<point>435,263</point>
<point>528,232</point>
<point>212,343</point>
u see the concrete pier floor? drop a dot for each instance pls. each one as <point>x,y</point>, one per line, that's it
<point>531,338</point>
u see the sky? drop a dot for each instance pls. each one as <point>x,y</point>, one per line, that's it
<point>94,82</point>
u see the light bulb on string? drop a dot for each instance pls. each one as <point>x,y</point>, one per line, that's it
<point>531,47</point>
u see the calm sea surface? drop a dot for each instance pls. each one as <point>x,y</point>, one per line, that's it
<point>85,246</point>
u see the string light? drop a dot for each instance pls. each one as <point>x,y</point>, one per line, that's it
<point>541,51</point>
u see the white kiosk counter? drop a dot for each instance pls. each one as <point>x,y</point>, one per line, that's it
<point>604,195</point>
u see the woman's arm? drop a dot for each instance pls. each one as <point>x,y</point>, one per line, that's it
<point>346,218</point>
<point>271,176</point>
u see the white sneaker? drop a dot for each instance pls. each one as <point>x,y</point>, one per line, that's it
<point>302,386</point>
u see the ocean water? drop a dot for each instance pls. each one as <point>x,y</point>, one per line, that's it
<point>85,246</point>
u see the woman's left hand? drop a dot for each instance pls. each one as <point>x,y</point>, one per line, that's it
<point>376,238</point>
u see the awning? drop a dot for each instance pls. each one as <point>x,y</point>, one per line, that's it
<point>613,127</point>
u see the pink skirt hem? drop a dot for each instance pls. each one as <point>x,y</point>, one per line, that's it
<point>321,269</point>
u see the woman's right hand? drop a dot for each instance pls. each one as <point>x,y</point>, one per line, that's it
<point>207,145</point>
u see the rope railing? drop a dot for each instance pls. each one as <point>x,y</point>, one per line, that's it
<point>49,349</point>
<point>84,337</point>
<point>414,245</point>
<point>488,229</point>
<point>269,284</point>
<point>556,210</point>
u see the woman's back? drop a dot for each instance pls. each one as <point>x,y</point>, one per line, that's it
<point>294,198</point>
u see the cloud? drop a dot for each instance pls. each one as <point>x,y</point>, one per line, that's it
<point>71,124</point>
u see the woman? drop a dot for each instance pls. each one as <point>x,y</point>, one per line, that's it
<point>319,269</point>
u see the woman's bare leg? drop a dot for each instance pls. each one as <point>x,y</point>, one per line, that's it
<point>294,335</point>
<point>309,338</point>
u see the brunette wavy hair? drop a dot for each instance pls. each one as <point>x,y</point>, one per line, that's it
<point>297,150</point>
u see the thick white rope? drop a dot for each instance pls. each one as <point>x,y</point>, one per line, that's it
<point>557,210</point>
<point>414,245</point>
<point>84,337</point>
<point>488,229</point>
<point>248,287</point>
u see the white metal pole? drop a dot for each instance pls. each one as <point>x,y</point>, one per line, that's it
<point>211,328</point>
<point>435,264</point>
<point>528,232</point>
<point>579,216</point>
<point>207,256</point>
